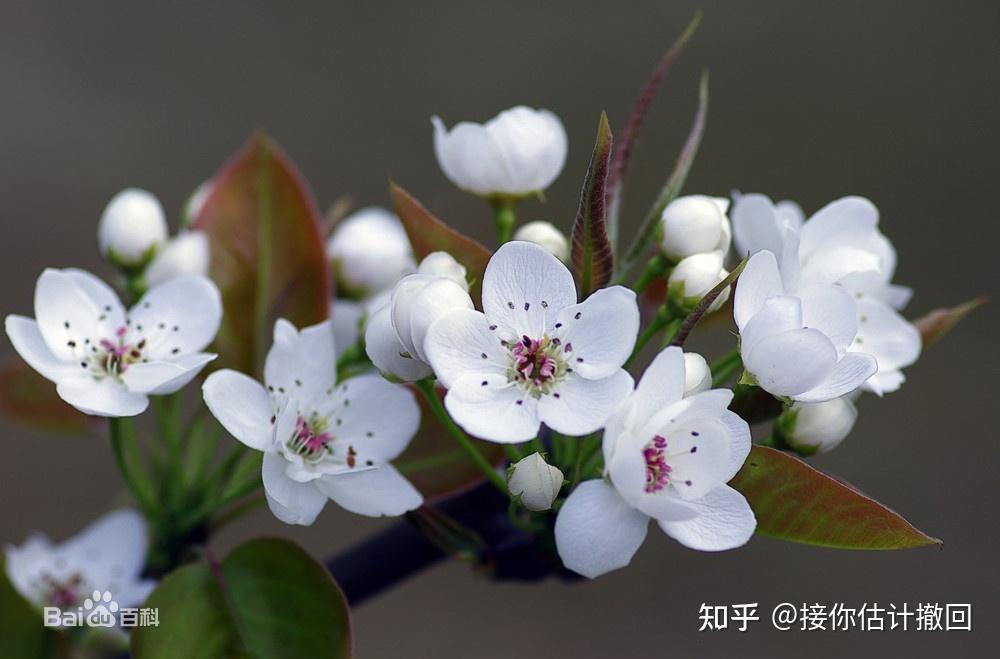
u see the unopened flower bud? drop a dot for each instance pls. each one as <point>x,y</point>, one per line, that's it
<point>547,235</point>
<point>442,264</point>
<point>369,251</point>
<point>697,374</point>
<point>536,482</point>
<point>695,276</point>
<point>132,228</point>
<point>818,427</point>
<point>186,254</point>
<point>419,300</point>
<point>695,224</point>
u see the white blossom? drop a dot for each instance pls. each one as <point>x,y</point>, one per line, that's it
<point>188,253</point>
<point>517,153</point>
<point>819,427</point>
<point>535,481</point>
<point>132,228</point>
<point>534,355</point>
<point>106,362</point>
<point>667,458</point>
<point>796,345</point>
<point>696,275</point>
<point>369,251</point>
<point>841,245</point>
<point>321,440</point>
<point>697,374</point>
<point>108,555</point>
<point>695,224</point>
<point>547,235</point>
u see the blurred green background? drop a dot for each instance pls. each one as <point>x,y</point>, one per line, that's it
<point>810,101</point>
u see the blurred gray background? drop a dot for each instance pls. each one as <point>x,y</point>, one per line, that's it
<point>811,101</point>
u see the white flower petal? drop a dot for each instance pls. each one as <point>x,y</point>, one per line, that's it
<point>596,531</point>
<point>602,330</point>
<point>461,343</point>
<point>301,364</point>
<point>385,350</point>
<point>778,314</point>
<point>435,300</point>
<point>578,406</point>
<point>30,345</point>
<point>697,374</point>
<point>290,501</point>
<point>103,296</point>
<point>849,374</point>
<point>381,418</point>
<point>378,492</point>
<point>532,144</point>
<point>524,287</point>
<point>113,547</point>
<point>66,313</point>
<point>842,264</point>
<point>725,521</point>
<point>884,382</point>
<point>470,158</point>
<point>661,385</point>
<point>165,377</point>
<point>790,363</point>
<point>346,316</point>
<point>884,334</point>
<point>242,406</point>
<point>490,408</point>
<point>700,450</point>
<point>665,505</point>
<point>758,282</point>
<point>897,297</point>
<point>846,221</point>
<point>179,316</point>
<point>831,310</point>
<point>756,226</point>
<point>740,442</point>
<point>104,397</point>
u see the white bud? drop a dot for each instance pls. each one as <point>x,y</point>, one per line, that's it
<point>535,481</point>
<point>695,224</point>
<point>442,264</point>
<point>546,235</point>
<point>700,273</point>
<point>132,228</point>
<point>517,153</point>
<point>418,301</point>
<point>697,374</point>
<point>186,254</point>
<point>369,251</point>
<point>819,427</point>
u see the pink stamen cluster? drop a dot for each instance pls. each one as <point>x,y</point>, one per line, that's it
<point>306,441</point>
<point>657,469</point>
<point>531,362</point>
<point>63,594</point>
<point>119,354</point>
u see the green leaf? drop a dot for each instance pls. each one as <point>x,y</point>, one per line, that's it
<point>939,322</point>
<point>22,634</point>
<point>795,502</point>
<point>268,599</point>
<point>671,189</point>
<point>590,248</point>
<point>629,133</point>
<point>436,464</point>
<point>429,234</point>
<point>30,400</point>
<point>267,251</point>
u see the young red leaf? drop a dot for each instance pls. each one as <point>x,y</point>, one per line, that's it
<point>939,322</point>
<point>671,189</point>
<point>795,502</point>
<point>630,132</point>
<point>267,251</point>
<point>591,250</point>
<point>429,234</point>
<point>30,400</point>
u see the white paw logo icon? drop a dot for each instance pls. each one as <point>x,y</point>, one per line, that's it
<point>102,609</point>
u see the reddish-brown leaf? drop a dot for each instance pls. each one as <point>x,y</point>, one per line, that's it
<point>591,249</point>
<point>939,322</point>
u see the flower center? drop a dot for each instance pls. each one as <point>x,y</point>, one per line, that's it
<point>62,593</point>
<point>310,439</point>
<point>537,364</point>
<point>659,471</point>
<point>111,357</point>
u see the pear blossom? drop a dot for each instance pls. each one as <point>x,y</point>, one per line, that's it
<point>535,482</point>
<point>667,458</point>
<point>109,556</point>
<point>131,228</point>
<point>547,235</point>
<point>369,251</point>
<point>796,345</point>
<point>695,276</point>
<point>534,355</point>
<point>321,439</point>
<point>818,427</point>
<point>517,153</point>
<point>842,245</point>
<point>106,362</point>
<point>694,224</point>
<point>697,374</point>
<point>188,253</point>
<point>395,334</point>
